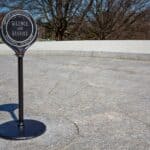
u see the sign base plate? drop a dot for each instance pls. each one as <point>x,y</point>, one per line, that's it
<point>31,129</point>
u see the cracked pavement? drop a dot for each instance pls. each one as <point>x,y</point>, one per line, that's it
<point>87,103</point>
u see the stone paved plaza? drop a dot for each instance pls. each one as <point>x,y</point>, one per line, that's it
<point>86,103</point>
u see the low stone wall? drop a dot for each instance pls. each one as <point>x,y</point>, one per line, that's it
<point>138,49</point>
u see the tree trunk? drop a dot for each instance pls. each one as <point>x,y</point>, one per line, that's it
<point>59,36</point>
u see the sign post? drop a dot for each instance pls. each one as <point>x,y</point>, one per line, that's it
<point>19,31</point>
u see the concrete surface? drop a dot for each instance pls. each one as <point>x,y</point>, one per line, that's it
<point>87,103</point>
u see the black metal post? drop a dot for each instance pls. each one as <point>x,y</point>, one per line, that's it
<point>26,128</point>
<point>23,129</point>
<point>20,91</point>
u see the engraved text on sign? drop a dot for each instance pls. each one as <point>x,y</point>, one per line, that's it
<point>22,28</point>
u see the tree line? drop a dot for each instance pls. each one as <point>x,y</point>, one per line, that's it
<point>87,19</point>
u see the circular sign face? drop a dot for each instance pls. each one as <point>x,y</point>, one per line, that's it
<point>18,30</point>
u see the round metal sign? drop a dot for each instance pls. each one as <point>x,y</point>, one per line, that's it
<point>18,30</point>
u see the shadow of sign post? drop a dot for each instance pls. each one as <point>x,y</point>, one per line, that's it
<point>19,31</point>
<point>10,108</point>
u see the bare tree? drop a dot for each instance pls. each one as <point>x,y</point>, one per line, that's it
<point>61,15</point>
<point>141,28</point>
<point>109,19</point>
<point>56,15</point>
<point>85,19</point>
